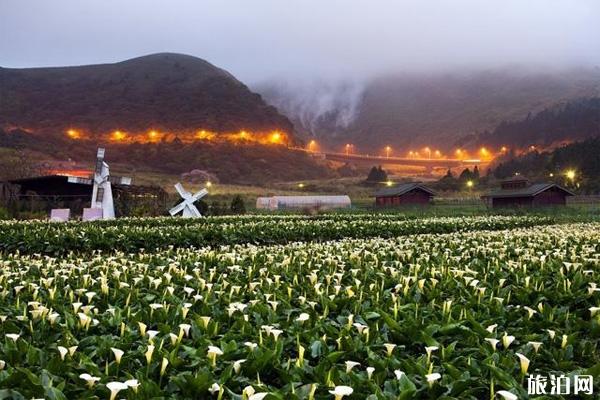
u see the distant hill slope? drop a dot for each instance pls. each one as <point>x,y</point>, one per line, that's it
<point>436,109</point>
<point>244,164</point>
<point>580,157</point>
<point>572,121</point>
<point>167,92</point>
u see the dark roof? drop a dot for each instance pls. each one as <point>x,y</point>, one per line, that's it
<point>51,181</point>
<point>399,190</point>
<point>42,178</point>
<point>528,191</point>
<point>515,178</point>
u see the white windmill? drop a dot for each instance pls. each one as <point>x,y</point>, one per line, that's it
<point>102,206</point>
<point>187,207</point>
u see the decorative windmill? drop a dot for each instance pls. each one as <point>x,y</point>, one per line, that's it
<point>102,198</point>
<point>187,206</point>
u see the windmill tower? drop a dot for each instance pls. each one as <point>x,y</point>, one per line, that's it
<point>102,205</point>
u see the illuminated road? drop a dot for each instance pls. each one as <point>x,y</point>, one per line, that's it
<point>429,163</point>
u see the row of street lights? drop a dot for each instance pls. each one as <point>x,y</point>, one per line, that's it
<point>429,153</point>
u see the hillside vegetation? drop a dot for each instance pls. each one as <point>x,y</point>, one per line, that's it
<point>166,92</point>
<point>246,163</point>
<point>575,120</point>
<point>581,157</point>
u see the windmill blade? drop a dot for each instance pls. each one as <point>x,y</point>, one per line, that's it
<point>177,209</point>
<point>120,180</point>
<point>99,160</point>
<point>182,192</point>
<point>193,210</point>
<point>187,207</point>
<point>200,195</point>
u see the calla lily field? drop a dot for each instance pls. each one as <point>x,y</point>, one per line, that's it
<point>290,307</point>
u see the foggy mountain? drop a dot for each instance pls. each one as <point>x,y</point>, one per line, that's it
<point>321,109</point>
<point>407,110</point>
<point>167,92</point>
<point>575,120</point>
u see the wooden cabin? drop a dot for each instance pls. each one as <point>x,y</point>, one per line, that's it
<point>405,194</point>
<point>519,192</point>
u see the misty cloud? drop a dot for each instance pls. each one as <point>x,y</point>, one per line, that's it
<point>315,103</point>
<point>342,39</point>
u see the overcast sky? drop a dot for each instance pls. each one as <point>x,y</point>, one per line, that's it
<point>260,39</point>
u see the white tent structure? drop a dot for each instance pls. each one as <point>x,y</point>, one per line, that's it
<point>262,203</point>
<point>300,202</point>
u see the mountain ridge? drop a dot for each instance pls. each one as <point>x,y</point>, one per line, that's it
<point>164,91</point>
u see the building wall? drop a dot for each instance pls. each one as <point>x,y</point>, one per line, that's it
<point>512,202</point>
<point>40,195</point>
<point>414,197</point>
<point>54,186</point>
<point>550,197</point>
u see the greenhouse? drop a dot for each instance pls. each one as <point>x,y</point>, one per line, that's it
<point>300,202</point>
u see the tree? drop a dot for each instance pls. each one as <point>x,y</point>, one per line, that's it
<point>376,175</point>
<point>216,208</point>
<point>466,175</point>
<point>16,164</point>
<point>372,177</point>
<point>237,205</point>
<point>447,182</point>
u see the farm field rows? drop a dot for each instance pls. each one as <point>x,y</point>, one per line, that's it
<point>134,234</point>
<point>456,308</point>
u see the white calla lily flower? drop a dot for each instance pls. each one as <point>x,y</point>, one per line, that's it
<point>340,391</point>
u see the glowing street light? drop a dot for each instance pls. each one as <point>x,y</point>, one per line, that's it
<point>204,135</point>
<point>571,174</point>
<point>118,136</point>
<point>301,185</point>
<point>438,153</point>
<point>387,151</point>
<point>74,134</point>
<point>389,183</point>
<point>503,149</point>
<point>470,184</point>
<point>153,135</point>
<point>208,184</point>
<point>312,145</point>
<point>276,137</point>
<point>348,147</point>
<point>428,150</point>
